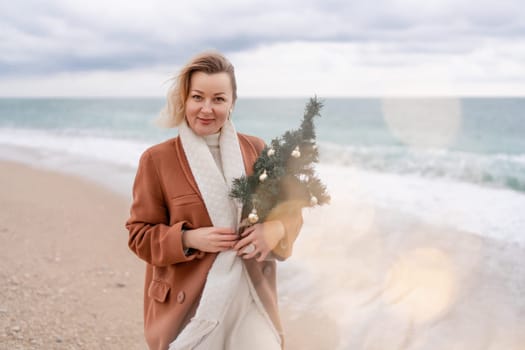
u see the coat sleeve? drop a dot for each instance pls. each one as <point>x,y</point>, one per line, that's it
<point>150,236</point>
<point>290,214</point>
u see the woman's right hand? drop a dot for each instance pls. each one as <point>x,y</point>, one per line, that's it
<point>210,239</point>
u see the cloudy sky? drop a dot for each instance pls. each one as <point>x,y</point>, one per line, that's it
<point>279,48</point>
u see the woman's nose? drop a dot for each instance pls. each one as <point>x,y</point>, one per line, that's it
<point>206,106</point>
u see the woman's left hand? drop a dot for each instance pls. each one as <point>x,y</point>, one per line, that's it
<point>262,237</point>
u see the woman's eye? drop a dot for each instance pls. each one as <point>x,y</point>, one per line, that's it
<point>220,99</point>
<point>196,97</point>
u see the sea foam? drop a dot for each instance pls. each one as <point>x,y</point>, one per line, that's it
<point>447,200</point>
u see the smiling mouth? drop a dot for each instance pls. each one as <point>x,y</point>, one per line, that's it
<point>205,121</point>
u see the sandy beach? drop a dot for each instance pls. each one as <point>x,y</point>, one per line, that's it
<point>68,280</point>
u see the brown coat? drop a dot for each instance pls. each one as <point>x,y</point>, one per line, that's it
<point>166,198</point>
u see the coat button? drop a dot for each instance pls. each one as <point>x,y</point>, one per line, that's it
<point>267,270</point>
<point>180,297</point>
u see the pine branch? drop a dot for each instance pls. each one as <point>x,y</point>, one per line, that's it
<point>284,171</point>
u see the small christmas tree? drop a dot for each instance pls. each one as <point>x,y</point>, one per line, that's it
<point>283,172</point>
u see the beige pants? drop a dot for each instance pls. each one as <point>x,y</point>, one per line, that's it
<point>244,326</point>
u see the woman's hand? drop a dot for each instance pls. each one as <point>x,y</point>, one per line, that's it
<point>210,239</point>
<point>264,237</point>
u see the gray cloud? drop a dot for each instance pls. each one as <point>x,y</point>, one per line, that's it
<point>65,37</point>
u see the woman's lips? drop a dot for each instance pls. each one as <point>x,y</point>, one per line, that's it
<point>205,121</point>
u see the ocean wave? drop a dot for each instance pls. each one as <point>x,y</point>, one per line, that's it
<point>432,185</point>
<point>486,211</point>
<point>498,170</point>
<point>493,170</point>
<point>75,143</point>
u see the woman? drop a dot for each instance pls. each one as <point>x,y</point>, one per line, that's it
<point>206,287</point>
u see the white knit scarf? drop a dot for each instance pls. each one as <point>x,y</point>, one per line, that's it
<point>226,272</point>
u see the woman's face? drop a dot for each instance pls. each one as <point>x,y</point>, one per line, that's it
<point>209,102</point>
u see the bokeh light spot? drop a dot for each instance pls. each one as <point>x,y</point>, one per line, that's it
<point>423,122</point>
<point>420,285</point>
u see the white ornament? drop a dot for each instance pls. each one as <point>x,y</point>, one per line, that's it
<point>312,143</point>
<point>296,153</point>
<point>253,217</point>
<point>263,176</point>
<point>313,200</point>
<point>271,152</point>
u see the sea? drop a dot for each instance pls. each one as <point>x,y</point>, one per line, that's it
<point>425,157</point>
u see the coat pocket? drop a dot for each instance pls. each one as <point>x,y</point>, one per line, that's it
<point>186,199</point>
<point>189,208</point>
<point>158,290</point>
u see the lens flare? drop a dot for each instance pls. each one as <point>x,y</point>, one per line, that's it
<point>423,123</point>
<point>420,285</point>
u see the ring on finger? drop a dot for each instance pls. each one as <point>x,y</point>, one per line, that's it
<point>250,248</point>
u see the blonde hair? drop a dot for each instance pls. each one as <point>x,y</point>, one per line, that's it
<point>209,62</point>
